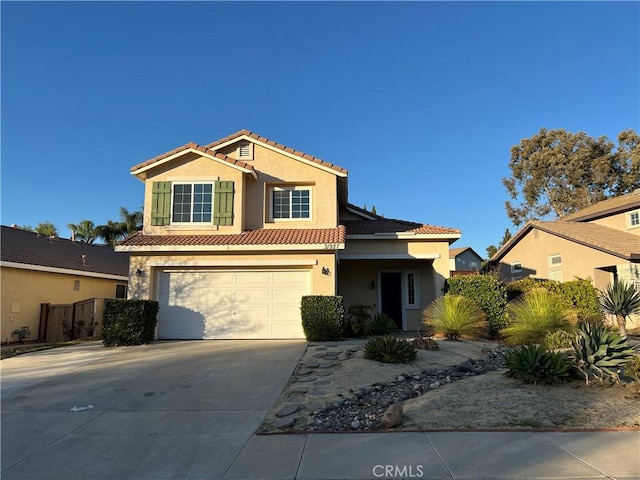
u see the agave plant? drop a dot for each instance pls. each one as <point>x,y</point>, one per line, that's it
<point>455,316</point>
<point>621,299</point>
<point>535,315</point>
<point>389,349</point>
<point>600,353</point>
<point>534,364</point>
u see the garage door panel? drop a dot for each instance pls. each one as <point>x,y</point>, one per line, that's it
<point>232,304</point>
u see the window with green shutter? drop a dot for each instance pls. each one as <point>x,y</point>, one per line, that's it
<point>161,203</point>
<point>223,203</point>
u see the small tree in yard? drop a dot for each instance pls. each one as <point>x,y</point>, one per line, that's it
<point>621,299</point>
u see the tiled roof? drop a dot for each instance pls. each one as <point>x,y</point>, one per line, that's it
<point>454,252</point>
<point>29,248</point>
<point>284,236</point>
<point>279,146</point>
<point>606,207</point>
<point>603,238</point>
<point>384,225</point>
<point>193,146</point>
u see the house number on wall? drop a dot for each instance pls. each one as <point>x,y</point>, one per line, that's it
<point>331,246</point>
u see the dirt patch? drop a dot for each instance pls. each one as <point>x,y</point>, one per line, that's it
<point>494,400</point>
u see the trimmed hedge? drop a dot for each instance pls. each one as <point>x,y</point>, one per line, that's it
<point>128,322</point>
<point>578,294</point>
<point>487,291</point>
<point>322,317</point>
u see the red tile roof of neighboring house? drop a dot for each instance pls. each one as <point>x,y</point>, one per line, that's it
<point>384,225</point>
<point>30,248</point>
<point>606,207</point>
<point>193,146</point>
<point>279,146</point>
<point>285,236</point>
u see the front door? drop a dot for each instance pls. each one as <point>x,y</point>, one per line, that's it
<point>391,296</point>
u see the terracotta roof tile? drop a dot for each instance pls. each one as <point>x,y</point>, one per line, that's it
<point>288,236</point>
<point>383,225</point>
<point>606,207</point>
<point>614,241</point>
<point>30,248</point>
<point>194,146</point>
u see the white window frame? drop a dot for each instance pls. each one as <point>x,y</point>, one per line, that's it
<point>553,265</point>
<point>630,216</point>
<point>416,288</point>
<point>192,183</point>
<point>556,273</point>
<point>290,188</point>
<point>516,267</point>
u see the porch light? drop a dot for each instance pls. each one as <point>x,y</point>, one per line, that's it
<point>326,271</point>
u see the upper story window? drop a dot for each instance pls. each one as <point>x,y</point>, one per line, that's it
<point>291,203</point>
<point>185,203</point>
<point>192,203</point>
<point>633,219</point>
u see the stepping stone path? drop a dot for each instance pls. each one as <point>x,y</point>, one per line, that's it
<point>285,422</point>
<point>312,365</point>
<point>318,355</point>
<point>317,393</point>
<point>307,379</point>
<point>324,373</point>
<point>303,371</point>
<point>322,382</point>
<point>300,388</point>
<point>327,365</point>
<point>320,348</point>
<point>287,410</point>
<point>314,406</point>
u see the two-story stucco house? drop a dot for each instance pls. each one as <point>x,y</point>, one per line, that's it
<point>237,231</point>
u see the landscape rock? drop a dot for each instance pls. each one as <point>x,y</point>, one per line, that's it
<point>392,416</point>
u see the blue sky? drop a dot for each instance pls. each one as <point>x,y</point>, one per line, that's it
<point>420,101</point>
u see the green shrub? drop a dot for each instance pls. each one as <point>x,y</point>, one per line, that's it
<point>128,322</point>
<point>359,321</point>
<point>600,353</point>
<point>455,316</point>
<point>558,339</point>
<point>534,315</point>
<point>383,324</point>
<point>322,317</point>
<point>489,294</point>
<point>389,349</point>
<point>578,294</point>
<point>533,364</point>
<point>632,368</point>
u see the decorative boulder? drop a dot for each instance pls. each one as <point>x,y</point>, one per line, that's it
<point>393,416</point>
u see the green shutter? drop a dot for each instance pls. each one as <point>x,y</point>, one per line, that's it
<point>161,203</point>
<point>223,203</point>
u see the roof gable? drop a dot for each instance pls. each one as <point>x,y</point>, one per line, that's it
<point>598,237</point>
<point>20,247</point>
<point>610,206</point>
<point>454,252</point>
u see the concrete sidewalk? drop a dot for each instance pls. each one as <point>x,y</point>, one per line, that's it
<point>189,410</point>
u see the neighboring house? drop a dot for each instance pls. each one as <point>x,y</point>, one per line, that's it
<point>237,231</point>
<point>37,269</point>
<point>464,260</point>
<point>600,242</point>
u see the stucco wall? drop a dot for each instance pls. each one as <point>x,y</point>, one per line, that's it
<point>619,222</point>
<point>252,197</point>
<point>533,252</point>
<point>24,290</point>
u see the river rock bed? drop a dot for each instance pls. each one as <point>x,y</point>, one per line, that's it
<point>362,409</point>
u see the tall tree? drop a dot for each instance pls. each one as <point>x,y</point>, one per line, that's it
<point>85,231</point>
<point>112,232</point>
<point>555,173</point>
<point>132,220</point>
<point>492,249</point>
<point>47,228</point>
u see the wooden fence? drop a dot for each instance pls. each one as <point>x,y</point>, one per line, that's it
<point>76,321</point>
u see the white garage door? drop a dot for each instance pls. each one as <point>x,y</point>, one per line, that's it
<point>231,304</point>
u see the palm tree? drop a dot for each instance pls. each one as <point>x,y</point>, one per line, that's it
<point>85,231</point>
<point>621,299</point>
<point>112,232</point>
<point>132,221</point>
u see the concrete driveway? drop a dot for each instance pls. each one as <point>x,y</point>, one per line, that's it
<point>188,410</point>
<point>166,410</point>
